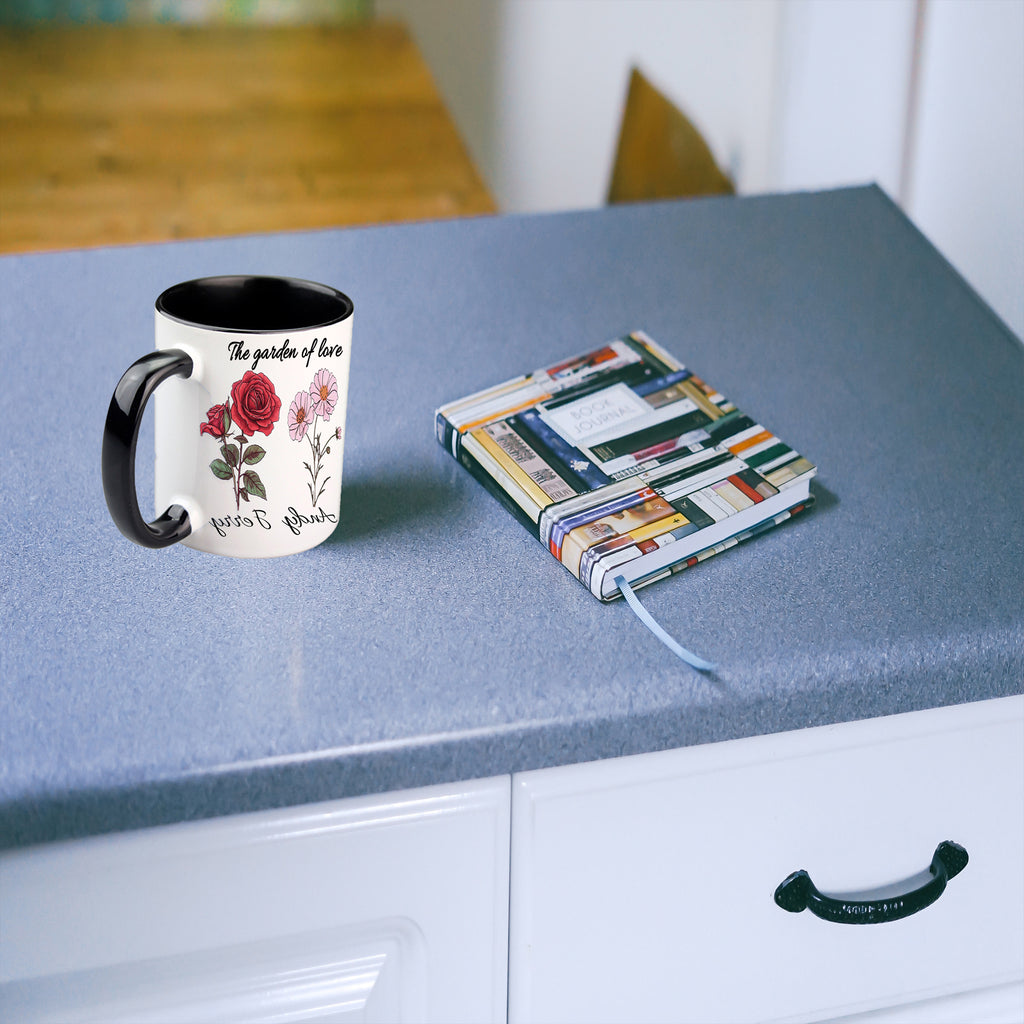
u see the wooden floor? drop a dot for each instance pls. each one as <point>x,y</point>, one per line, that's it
<point>144,133</point>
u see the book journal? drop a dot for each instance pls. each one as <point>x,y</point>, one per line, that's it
<point>624,463</point>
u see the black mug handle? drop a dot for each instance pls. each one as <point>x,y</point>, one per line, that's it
<point>120,436</point>
<point>798,893</point>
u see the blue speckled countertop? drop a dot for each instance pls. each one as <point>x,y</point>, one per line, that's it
<point>432,639</point>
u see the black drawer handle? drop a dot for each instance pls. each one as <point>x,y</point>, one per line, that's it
<point>798,893</point>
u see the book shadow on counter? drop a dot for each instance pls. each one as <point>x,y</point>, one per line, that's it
<point>824,499</point>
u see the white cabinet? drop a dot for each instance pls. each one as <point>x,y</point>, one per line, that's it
<point>382,908</point>
<point>639,889</point>
<point>642,887</point>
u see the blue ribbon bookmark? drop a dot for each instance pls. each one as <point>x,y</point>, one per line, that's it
<point>648,620</point>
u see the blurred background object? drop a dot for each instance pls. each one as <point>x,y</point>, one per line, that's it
<point>660,154</point>
<point>925,97</point>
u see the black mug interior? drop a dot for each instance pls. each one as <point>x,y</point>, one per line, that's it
<point>254,304</point>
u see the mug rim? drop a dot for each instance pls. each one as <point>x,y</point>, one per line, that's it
<point>300,283</point>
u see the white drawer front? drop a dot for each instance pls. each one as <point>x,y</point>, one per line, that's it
<point>642,888</point>
<point>381,908</point>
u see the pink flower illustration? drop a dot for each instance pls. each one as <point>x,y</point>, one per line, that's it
<point>320,400</point>
<point>324,392</point>
<point>300,415</point>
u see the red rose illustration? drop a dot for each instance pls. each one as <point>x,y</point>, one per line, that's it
<point>214,422</point>
<point>254,403</point>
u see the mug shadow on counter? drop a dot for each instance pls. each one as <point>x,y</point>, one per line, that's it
<point>373,507</point>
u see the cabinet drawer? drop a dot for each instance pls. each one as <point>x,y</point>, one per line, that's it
<point>642,888</point>
<point>382,908</point>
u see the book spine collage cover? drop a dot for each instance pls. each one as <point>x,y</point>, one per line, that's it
<point>615,457</point>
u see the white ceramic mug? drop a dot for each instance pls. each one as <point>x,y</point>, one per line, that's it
<point>251,383</point>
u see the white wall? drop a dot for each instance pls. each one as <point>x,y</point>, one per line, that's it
<point>966,174</point>
<point>842,101</point>
<point>537,87</point>
<point>926,97</point>
<point>566,68</point>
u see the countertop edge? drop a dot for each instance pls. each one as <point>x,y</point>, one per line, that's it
<point>291,781</point>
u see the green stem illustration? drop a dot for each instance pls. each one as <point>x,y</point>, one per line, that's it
<point>315,469</point>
